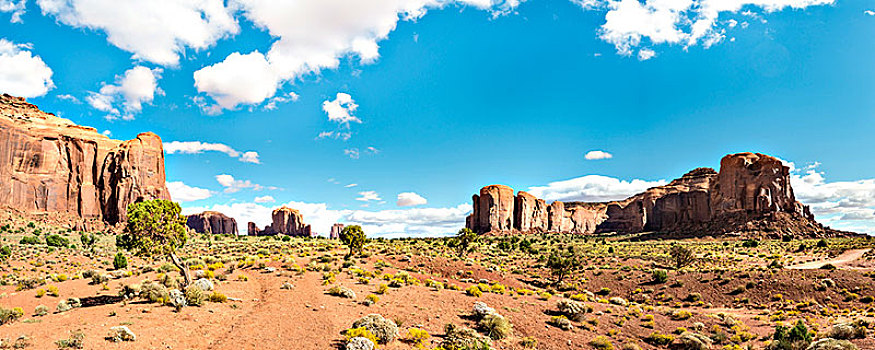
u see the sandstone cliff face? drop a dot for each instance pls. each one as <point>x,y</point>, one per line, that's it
<point>750,194</point>
<point>51,165</point>
<point>212,222</point>
<point>285,221</point>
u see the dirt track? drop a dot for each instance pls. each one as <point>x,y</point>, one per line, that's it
<point>839,261</point>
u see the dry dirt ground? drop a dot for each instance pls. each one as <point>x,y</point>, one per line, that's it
<point>261,315</point>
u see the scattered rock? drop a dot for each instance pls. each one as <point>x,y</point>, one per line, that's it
<point>360,343</point>
<point>121,333</point>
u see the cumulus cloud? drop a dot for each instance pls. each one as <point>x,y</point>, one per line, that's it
<point>157,31</point>
<point>628,23</point>
<point>239,79</point>
<point>21,72</point>
<point>592,188</point>
<point>409,199</point>
<point>232,185</point>
<point>368,196</point>
<point>646,54</point>
<point>869,12</point>
<point>17,8</point>
<point>181,192</point>
<point>847,205</point>
<point>264,199</point>
<point>196,147</point>
<point>341,109</point>
<point>415,222</point>
<point>597,155</point>
<point>312,36</point>
<point>136,86</point>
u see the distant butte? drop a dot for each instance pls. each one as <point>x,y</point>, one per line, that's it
<point>750,196</point>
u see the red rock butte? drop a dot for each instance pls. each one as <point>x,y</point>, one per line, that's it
<point>51,165</point>
<point>751,196</point>
<point>286,221</point>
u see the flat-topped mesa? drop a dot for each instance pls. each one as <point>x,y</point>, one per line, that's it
<point>750,195</point>
<point>51,165</point>
<point>285,221</point>
<point>212,222</point>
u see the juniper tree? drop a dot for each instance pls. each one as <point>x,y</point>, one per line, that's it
<point>155,228</point>
<point>353,237</point>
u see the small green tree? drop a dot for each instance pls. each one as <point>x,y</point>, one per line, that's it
<point>5,253</point>
<point>155,228</point>
<point>562,265</point>
<point>353,237</point>
<point>682,256</point>
<point>119,261</point>
<point>464,242</point>
<point>88,240</point>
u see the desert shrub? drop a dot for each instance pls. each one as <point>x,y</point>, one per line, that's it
<point>341,291</point>
<point>97,278</point>
<point>53,291</point>
<point>832,344</point>
<point>855,330</point>
<point>32,240</point>
<point>41,310</point>
<point>562,265</point>
<point>154,292</point>
<point>601,343</point>
<point>217,297</point>
<point>495,326</point>
<point>57,241</point>
<point>680,315</point>
<point>750,243</point>
<point>5,252</point>
<point>574,310</point>
<point>194,296</point>
<point>10,315</point>
<point>828,267</point>
<point>464,339</point>
<point>417,337</point>
<point>359,332</point>
<point>474,291</point>
<point>659,275</point>
<point>119,261</point>
<point>464,242</point>
<point>384,329</point>
<point>659,339</point>
<point>75,341</point>
<point>681,256</point>
<point>692,341</point>
<point>560,322</point>
<point>795,338</point>
<point>822,243</point>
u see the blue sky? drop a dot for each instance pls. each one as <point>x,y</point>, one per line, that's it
<point>391,113</point>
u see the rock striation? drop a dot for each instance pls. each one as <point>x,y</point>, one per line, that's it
<point>751,194</point>
<point>212,222</point>
<point>51,165</point>
<point>285,221</point>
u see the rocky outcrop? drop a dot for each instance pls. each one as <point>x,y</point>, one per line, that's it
<point>51,165</point>
<point>285,221</point>
<point>212,222</point>
<point>750,195</point>
<point>252,229</point>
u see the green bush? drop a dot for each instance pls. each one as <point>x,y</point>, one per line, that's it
<point>57,241</point>
<point>660,276</point>
<point>30,240</point>
<point>119,261</point>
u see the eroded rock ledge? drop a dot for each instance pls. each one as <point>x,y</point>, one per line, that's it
<point>750,195</point>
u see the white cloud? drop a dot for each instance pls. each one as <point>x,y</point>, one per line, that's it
<point>597,155</point>
<point>232,185</point>
<point>368,196</point>
<point>646,54</point>
<point>341,109</point>
<point>422,222</point>
<point>869,12</point>
<point>195,147</point>
<point>592,188</point>
<point>352,153</point>
<point>16,7</point>
<point>314,35</point>
<point>157,31</point>
<point>239,79</point>
<point>351,185</point>
<point>22,73</point>
<point>138,85</point>
<point>846,205</point>
<point>409,199</point>
<point>684,22</point>
<point>181,192</point>
<point>264,199</point>
<point>273,102</point>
